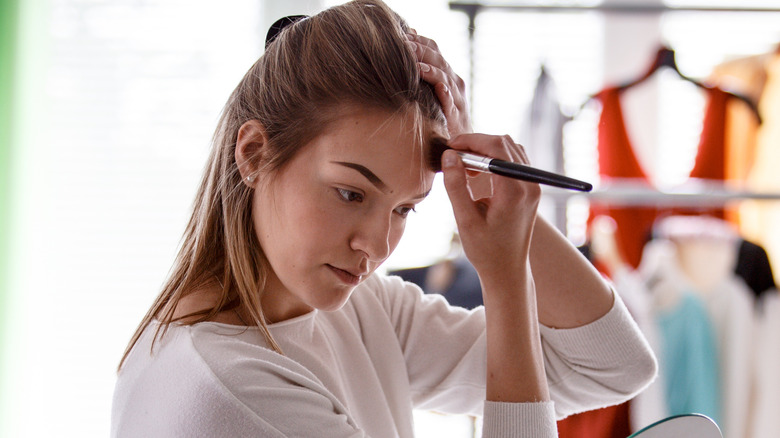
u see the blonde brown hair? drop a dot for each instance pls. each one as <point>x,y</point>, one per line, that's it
<point>352,54</point>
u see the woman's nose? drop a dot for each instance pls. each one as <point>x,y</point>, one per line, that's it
<point>373,238</point>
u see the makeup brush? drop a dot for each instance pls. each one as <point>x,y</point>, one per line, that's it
<point>505,168</point>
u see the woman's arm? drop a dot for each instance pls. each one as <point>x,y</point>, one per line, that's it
<point>571,292</point>
<point>531,273</point>
<point>496,233</point>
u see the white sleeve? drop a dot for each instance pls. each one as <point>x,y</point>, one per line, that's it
<point>531,420</point>
<point>291,403</point>
<point>600,364</point>
<point>443,347</point>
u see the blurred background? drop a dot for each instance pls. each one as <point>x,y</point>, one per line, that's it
<point>107,109</point>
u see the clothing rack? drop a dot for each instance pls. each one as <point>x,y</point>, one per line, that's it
<point>472,10</point>
<point>638,193</point>
<point>625,193</point>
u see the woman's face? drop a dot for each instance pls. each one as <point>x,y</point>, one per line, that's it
<point>337,210</point>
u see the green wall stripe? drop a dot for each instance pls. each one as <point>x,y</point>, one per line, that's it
<point>8,43</point>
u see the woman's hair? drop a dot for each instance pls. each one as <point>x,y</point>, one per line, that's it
<point>350,55</point>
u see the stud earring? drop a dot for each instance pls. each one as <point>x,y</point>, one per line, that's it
<point>250,179</point>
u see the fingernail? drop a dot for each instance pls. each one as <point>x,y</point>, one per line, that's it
<point>449,158</point>
<point>424,67</point>
<point>445,88</point>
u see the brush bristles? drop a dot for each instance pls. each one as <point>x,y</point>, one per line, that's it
<point>438,146</point>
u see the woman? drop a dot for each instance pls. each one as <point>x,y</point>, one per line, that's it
<point>273,322</point>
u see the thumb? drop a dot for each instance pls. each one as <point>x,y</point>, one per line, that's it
<point>456,185</point>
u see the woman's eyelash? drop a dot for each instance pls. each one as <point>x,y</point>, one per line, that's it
<point>404,211</point>
<point>350,196</point>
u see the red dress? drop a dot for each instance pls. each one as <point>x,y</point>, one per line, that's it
<point>634,224</point>
<point>617,160</point>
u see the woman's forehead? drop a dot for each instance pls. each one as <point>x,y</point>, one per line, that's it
<point>390,145</point>
<point>376,131</point>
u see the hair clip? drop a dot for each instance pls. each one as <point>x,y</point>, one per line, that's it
<point>280,24</point>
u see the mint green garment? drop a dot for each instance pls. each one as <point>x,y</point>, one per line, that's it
<point>689,359</point>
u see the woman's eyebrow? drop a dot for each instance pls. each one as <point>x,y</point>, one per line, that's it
<point>370,176</point>
<point>422,196</point>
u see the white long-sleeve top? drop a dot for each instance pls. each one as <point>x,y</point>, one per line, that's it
<point>361,370</point>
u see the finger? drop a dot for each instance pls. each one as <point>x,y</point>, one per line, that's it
<point>429,53</point>
<point>493,146</point>
<point>423,40</point>
<point>523,154</point>
<point>507,191</point>
<point>513,193</point>
<point>445,96</point>
<point>519,154</point>
<point>433,57</point>
<point>450,88</point>
<point>501,147</point>
<point>435,76</point>
<point>457,188</point>
<point>451,99</point>
<point>455,112</point>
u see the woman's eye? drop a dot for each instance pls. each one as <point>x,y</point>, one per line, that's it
<point>350,196</point>
<point>404,211</point>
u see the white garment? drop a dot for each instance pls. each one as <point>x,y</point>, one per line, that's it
<point>765,421</point>
<point>360,371</point>
<point>730,304</point>
<point>650,405</point>
<point>542,137</point>
<point>699,260</point>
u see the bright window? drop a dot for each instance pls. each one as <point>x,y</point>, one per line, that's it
<point>121,99</point>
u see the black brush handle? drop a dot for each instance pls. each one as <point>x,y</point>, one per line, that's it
<point>531,174</point>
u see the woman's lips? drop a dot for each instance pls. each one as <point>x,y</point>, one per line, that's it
<point>346,276</point>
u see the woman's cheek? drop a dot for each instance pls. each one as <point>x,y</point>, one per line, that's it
<point>396,234</point>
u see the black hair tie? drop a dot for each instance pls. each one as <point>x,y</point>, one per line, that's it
<point>280,24</point>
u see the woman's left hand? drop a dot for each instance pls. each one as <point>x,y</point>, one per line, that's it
<point>450,88</point>
<point>495,230</point>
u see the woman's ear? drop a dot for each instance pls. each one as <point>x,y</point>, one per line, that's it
<point>249,148</point>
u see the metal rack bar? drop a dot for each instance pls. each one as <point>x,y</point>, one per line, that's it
<point>695,194</point>
<point>473,8</point>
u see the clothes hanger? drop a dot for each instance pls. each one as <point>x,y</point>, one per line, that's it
<point>665,57</point>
